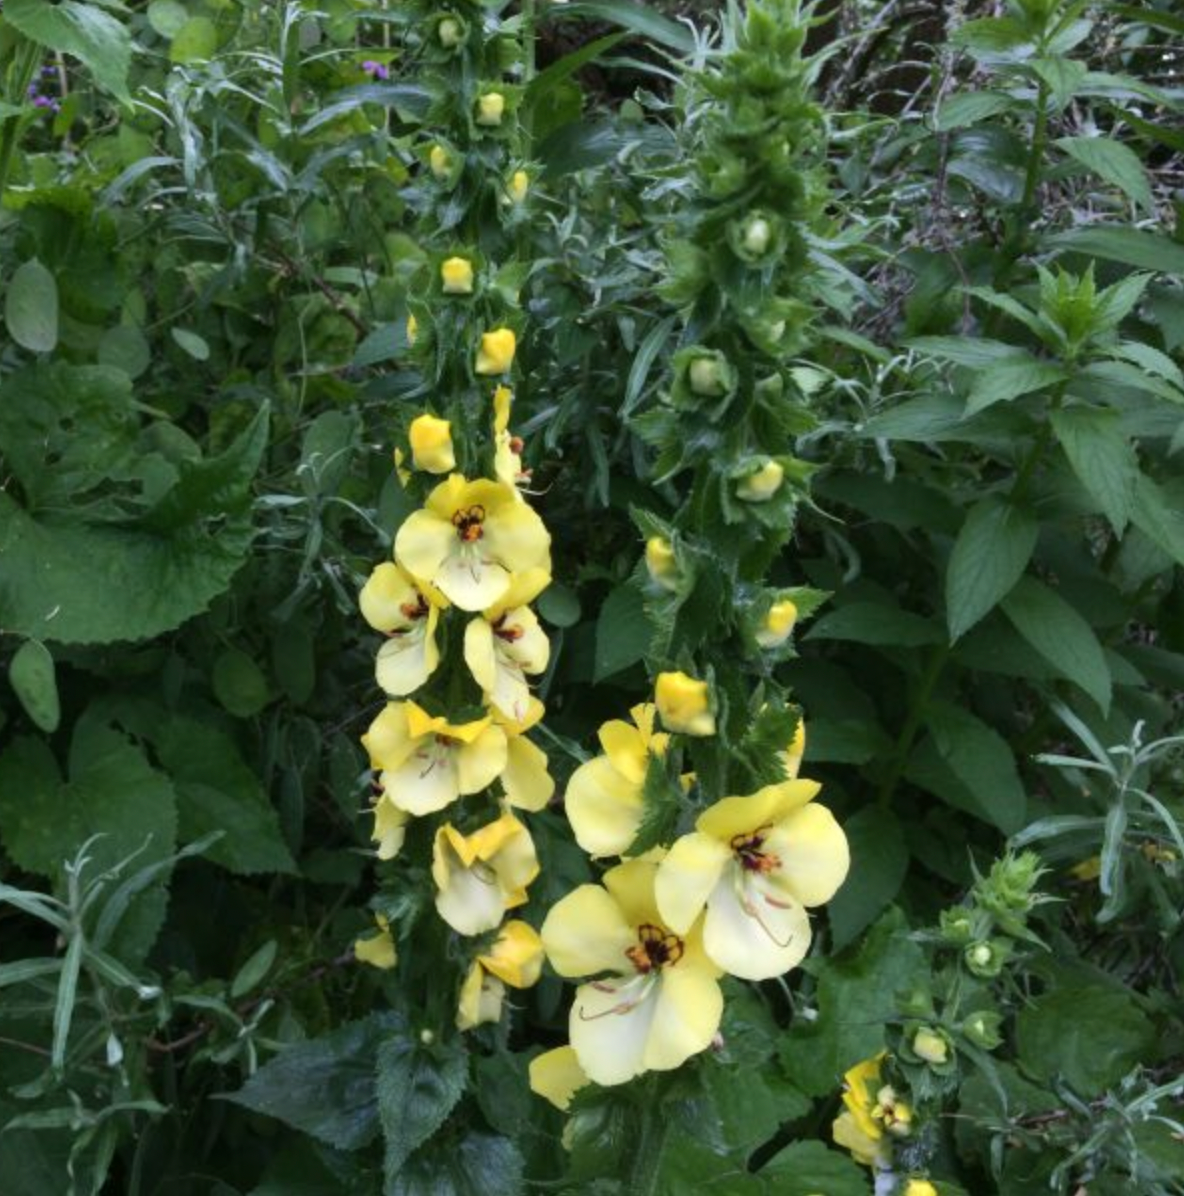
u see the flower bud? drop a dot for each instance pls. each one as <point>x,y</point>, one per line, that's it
<point>957,928</point>
<point>778,624</point>
<point>456,275</point>
<point>412,330</point>
<point>931,1045</point>
<point>496,354</point>
<point>763,484</point>
<point>440,162</point>
<point>431,444</point>
<point>518,186</point>
<point>684,704</point>
<point>450,33</point>
<point>427,1037</point>
<point>491,107</point>
<point>660,561</point>
<point>986,958</point>
<point>919,1187</point>
<point>983,1029</point>
<point>757,235</point>
<point>706,376</point>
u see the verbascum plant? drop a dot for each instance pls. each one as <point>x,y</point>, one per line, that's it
<point>454,770</point>
<point>724,851</point>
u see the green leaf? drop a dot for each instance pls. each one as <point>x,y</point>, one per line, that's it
<point>876,623</point>
<point>971,766</point>
<point>750,1103</point>
<point>990,554</point>
<point>1118,164</point>
<point>239,684</point>
<point>1009,378</point>
<point>125,348</point>
<point>196,346</point>
<point>1118,243</point>
<point>809,1168</point>
<point>879,862</point>
<point>638,18</point>
<point>1159,514</point>
<point>977,352</point>
<point>560,606</point>
<point>324,1086</point>
<point>418,1086</point>
<point>167,17</point>
<point>845,741</point>
<point>83,31</point>
<point>254,971</point>
<point>327,450</point>
<point>1054,628</point>
<point>31,308</point>
<point>195,41</point>
<point>1063,76</point>
<point>1090,1036</point>
<point>477,1165</point>
<point>968,108</point>
<point>623,632</point>
<point>1102,458</point>
<point>34,682</point>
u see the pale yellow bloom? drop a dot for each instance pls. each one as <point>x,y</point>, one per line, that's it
<point>515,959</point>
<point>763,484</point>
<point>655,1000</point>
<point>684,704</point>
<point>778,624</point>
<point>661,563</point>
<point>407,614</point>
<point>871,1110</point>
<point>507,453</point>
<point>919,1187</point>
<point>431,444</point>
<point>450,32</point>
<point>497,350</point>
<point>491,107</point>
<point>412,329</point>
<point>390,828</point>
<point>604,796</point>
<point>526,781</point>
<point>440,161</point>
<point>481,876</point>
<point>426,763</point>
<point>519,186</point>
<point>378,950</point>
<point>557,1076</point>
<point>930,1046</point>
<point>456,276</point>
<point>756,864</point>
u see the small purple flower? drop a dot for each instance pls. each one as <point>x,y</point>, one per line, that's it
<point>376,69</point>
<point>49,72</point>
<point>32,90</point>
<point>48,103</point>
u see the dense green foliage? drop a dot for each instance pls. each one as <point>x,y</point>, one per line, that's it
<point>930,268</point>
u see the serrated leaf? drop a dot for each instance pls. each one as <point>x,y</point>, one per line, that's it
<point>1102,458</point>
<point>33,680</point>
<point>1159,514</point>
<point>879,862</point>
<point>1009,378</point>
<point>1118,164</point>
<point>990,555</point>
<point>31,308</point>
<point>477,1165</point>
<point>84,31</point>
<point>876,623</point>
<point>809,1168</point>
<point>660,806</point>
<point>976,352</point>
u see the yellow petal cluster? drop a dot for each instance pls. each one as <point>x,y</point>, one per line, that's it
<point>496,354</point>
<point>684,704</point>
<point>873,1114</point>
<point>481,876</point>
<point>515,959</point>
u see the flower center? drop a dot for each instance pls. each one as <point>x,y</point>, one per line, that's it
<point>414,610</point>
<point>510,632</point>
<point>749,853</point>
<point>468,521</point>
<point>894,1113</point>
<point>654,949</point>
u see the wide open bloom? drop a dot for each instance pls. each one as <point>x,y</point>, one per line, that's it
<point>872,1114</point>
<point>425,763</point>
<point>470,538</point>
<point>756,863</point>
<point>506,643</point>
<point>655,1000</point>
<point>604,796</point>
<point>407,614</point>
<point>515,959</point>
<point>480,876</point>
<point>527,783</point>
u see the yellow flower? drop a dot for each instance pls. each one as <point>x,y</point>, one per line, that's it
<point>496,354</point>
<point>603,799</point>
<point>519,186</point>
<point>515,959</point>
<point>763,484</point>
<point>480,876</point>
<point>655,1001</point>
<point>470,539</point>
<point>431,444</point>
<point>526,782</point>
<point>390,827</point>
<point>426,763</point>
<point>919,1187</point>
<point>403,475</point>
<point>407,614</point>
<point>378,950</point>
<point>1089,868</point>
<point>871,1110</point>
<point>684,704</point>
<point>456,276</point>
<point>506,643</point>
<point>507,454</point>
<point>931,1046</point>
<point>795,751</point>
<point>557,1076</point>
<point>491,107</point>
<point>756,863</point>
<point>661,563</point>
<point>440,161</point>
<point>778,624</point>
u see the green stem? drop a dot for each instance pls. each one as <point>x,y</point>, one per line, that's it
<point>1039,446</point>
<point>912,724</point>
<point>28,54</point>
<point>1039,135</point>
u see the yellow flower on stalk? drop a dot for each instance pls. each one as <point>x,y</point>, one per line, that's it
<point>778,624</point>
<point>518,187</point>
<point>481,876</point>
<point>684,704</point>
<point>931,1046</point>
<point>431,444</point>
<point>604,796</point>
<point>426,763</point>
<point>660,562</point>
<point>390,827</point>
<point>655,999</point>
<point>507,453</point>
<point>506,643</point>
<point>556,1075</point>
<point>756,864</point>
<point>763,484</point>
<point>469,540</point>
<point>491,107</point>
<point>872,1114</point>
<point>378,950</point>
<point>456,276</point>
<point>407,613</point>
<point>496,354</point>
<point>515,959</point>
<point>440,162</point>
<point>526,782</point>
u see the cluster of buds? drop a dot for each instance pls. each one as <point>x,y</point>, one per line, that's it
<point>40,98</point>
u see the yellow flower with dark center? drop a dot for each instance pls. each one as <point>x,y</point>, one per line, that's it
<point>456,276</point>
<point>684,704</point>
<point>470,539</point>
<point>762,484</point>
<point>378,950</point>
<point>506,643</point>
<point>756,864</point>
<point>431,444</point>
<point>526,782</point>
<point>426,763</point>
<point>655,1000</point>
<point>481,876</point>
<point>778,624</point>
<point>604,796</point>
<point>515,959</point>
<point>496,354</point>
<point>407,614</point>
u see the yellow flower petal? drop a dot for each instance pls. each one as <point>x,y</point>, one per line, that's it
<point>390,828</point>
<point>686,1018</point>
<point>481,762</point>
<point>481,999</point>
<point>409,657</point>
<point>813,852</point>
<point>423,543</point>
<point>516,957</point>
<point>491,107</point>
<point>479,876</point>
<point>377,950</point>
<point>687,877</point>
<point>585,933</point>
<point>431,444</point>
<point>456,277</point>
<point>525,779</point>
<point>518,186</point>
<point>387,740</point>
<point>868,1151</point>
<point>742,815</point>
<point>763,484</point>
<point>778,624</point>
<point>625,746</point>
<point>389,599</point>
<point>684,704</point>
<point>632,887</point>
<point>604,807</point>
<point>496,354</point>
<point>557,1076</point>
<point>752,930</point>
